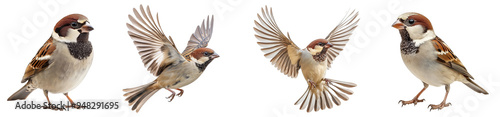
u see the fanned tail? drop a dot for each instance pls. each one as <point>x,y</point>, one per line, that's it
<point>330,93</point>
<point>137,96</point>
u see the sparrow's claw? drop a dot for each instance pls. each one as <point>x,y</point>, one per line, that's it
<point>180,93</point>
<point>312,83</point>
<point>439,106</point>
<point>171,97</point>
<point>414,101</point>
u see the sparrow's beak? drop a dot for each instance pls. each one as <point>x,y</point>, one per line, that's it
<point>215,55</point>
<point>328,45</point>
<point>87,28</point>
<point>398,25</point>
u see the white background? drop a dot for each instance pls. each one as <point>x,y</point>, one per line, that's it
<point>242,82</point>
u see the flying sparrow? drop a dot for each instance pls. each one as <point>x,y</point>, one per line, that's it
<point>429,58</point>
<point>159,54</point>
<point>314,60</point>
<point>62,62</point>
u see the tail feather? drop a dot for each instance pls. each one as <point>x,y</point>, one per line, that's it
<point>341,95</point>
<point>471,84</point>
<point>334,98</point>
<point>137,96</point>
<point>344,90</point>
<point>325,98</point>
<point>143,99</point>
<point>343,83</point>
<point>21,94</point>
<point>303,99</point>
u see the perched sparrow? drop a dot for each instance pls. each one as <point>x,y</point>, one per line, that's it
<point>429,58</point>
<point>159,54</point>
<point>314,60</point>
<point>62,62</point>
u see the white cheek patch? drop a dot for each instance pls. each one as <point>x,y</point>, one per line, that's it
<point>201,60</point>
<point>316,50</point>
<point>418,37</point>
<point>71,36</point>
<point>416,32</point>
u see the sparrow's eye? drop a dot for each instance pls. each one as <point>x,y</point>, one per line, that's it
<point>206,53</point>
<point>75,25</point>
<point>321,44</point>
<point>411,21</point>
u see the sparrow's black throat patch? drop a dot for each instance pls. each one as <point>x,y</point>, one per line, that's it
<point>203,66</point>
<point>320,57</point>
<point>82,48</point>
<point>407,45</point>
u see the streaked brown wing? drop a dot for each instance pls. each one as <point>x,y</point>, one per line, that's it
<point>40,61</point>
<point>447,58</point>
<point>340,35</point>
<point>156,50</point>
<point>284,53</point>
<point>200,38</point>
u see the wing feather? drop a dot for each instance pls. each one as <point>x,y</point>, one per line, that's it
<point>200,38</point>
<point>40,61</point>
<point>156,49</point>
<point>447,58</point>
<point>339,36</point>
<point>276,45</point>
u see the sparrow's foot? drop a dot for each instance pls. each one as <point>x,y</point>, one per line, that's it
<point>180,93</point>
<point>414,101</point>
<point>312,83</point>
<point>439,106</point>
<point>171,97</point>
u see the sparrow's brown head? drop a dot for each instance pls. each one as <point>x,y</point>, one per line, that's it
<point>72,28</point>
<point>318,46</point>
<point>202,55</point>
<point>416,25</point>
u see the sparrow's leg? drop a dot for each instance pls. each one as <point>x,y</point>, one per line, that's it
<point>415,100</point>
<point>443,103</point>
<point>71,101</point>
<point>46,93</point>
<point>312,83</point>
<point>171,96</point>
<point>180,93</point>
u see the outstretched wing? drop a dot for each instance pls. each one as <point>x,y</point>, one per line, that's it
<point>284,53</point>
<point>447,58</point>
<point>200,38</point>
<point>156,50</point>
<point>40,61</point>
<point>340,35</point>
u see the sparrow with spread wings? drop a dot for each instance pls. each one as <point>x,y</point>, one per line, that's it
<point>160,55</point>
<point>314,60</point>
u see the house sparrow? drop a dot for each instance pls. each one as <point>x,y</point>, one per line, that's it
<point>159,54</point>
<point>429,58</point>
<point>314,60</point>
<point>62,62</point>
